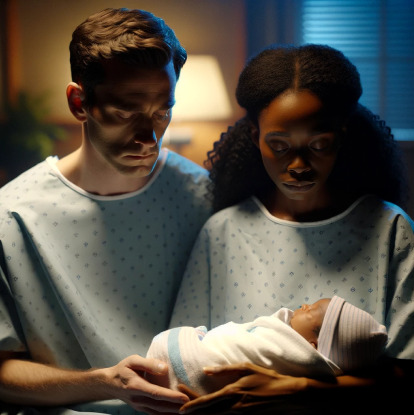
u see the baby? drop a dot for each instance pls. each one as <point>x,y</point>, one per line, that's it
<point>327,338</point>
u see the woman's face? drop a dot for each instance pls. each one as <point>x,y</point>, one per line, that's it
<point>299,144</point>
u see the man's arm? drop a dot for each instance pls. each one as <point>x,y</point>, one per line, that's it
<point>30,383</point>
<point>26,382</point>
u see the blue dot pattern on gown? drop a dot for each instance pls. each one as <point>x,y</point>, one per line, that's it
<point>90,280</point>
<point>247,263</point>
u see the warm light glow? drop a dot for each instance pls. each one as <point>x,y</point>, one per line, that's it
<point>201,93</point>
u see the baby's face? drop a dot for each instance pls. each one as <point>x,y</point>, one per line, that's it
<point>307,320</point>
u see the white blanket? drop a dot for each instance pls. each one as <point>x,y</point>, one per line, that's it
<point>267,341</point>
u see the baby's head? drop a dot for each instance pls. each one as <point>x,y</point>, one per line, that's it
<point>307,320</point>
<point>345,334</point>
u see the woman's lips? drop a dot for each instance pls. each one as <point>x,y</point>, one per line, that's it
<point>299,186</point>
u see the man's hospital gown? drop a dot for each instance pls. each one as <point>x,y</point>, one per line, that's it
<point>88,280</point>
<point>247,263</point>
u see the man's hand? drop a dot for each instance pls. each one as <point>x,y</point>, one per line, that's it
<point>28,383</point>
<point>127,382</point>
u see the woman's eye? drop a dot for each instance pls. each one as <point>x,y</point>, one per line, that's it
<point>279,146</point>
<point>320,144</point>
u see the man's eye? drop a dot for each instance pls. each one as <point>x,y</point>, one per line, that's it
<point>125,114</point>
<point>162,115</point>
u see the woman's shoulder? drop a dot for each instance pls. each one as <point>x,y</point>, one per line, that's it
<point>376,217</point>
<point>245,210</point>
<point>373,205</point>
<point>250,212</point>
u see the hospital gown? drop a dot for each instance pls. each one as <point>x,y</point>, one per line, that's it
<point>87,280</point>
<point>247,263</point>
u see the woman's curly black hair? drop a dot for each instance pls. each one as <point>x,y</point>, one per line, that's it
<point>369,160</point>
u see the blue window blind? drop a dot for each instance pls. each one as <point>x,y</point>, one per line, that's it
<point>378,37</point>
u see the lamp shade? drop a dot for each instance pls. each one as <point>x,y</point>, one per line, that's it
<point>201,93</point>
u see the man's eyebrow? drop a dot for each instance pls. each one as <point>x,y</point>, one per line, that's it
<point>129,105</point>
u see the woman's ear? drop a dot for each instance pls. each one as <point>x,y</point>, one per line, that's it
<point>255,133</point>
<point>76,97</point>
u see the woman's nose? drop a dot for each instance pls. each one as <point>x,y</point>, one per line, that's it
<point>298,165</point>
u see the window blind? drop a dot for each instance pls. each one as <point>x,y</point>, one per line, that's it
<point>378,37</point>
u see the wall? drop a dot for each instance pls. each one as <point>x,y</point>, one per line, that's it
<point>42,30</point>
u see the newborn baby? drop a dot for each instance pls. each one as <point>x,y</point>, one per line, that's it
<point>327,338</point>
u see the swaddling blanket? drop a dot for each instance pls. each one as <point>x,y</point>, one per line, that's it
<point>268,341</point>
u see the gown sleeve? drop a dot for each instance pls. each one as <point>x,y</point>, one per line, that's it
<point>400,295</point>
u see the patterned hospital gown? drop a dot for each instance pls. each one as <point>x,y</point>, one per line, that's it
<point>247,263</point>
<point>89,280</point>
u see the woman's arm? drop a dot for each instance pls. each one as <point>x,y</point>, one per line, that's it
<point>264,388</point>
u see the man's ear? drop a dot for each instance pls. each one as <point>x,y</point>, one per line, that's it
<point>76,96</point>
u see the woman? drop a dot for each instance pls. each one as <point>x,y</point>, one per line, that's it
<point>307,185</point>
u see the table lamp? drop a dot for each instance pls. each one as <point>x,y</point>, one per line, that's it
<point>200,95</point>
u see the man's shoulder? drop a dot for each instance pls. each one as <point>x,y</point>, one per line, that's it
<point>184,182</point>
<point>28,189</point>
<point>183,166</point>
<point>24,191</point>
<point>31,179</point>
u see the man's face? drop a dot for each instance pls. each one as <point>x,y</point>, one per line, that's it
<point>130,112</point>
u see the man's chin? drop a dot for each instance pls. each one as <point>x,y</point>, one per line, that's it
<point>139,171</point>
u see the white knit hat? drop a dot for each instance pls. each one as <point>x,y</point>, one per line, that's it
<point>350,337</point>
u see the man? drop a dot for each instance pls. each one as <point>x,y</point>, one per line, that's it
<point>94,245</point>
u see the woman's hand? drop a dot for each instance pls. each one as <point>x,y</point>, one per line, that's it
<point>256,386</point>
<point>265,391</point>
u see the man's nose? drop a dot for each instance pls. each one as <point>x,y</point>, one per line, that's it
<point>147,138</point>
<point>144,132</point>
